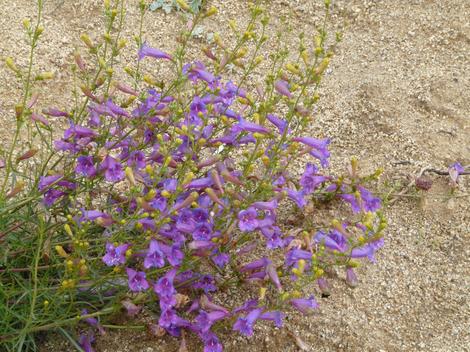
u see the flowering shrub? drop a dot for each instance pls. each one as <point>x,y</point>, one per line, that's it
<point>176,192</point>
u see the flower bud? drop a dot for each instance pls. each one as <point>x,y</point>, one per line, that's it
<point>184,5</point>
<point>26,23</point>
<point>68,230</point>
<point>351,278</point>
<point>11,65</point>
<point>211,11</point>
<point>45,75</point>
<point>29,154</point>
<point>86,39</point>
<point>61,252</point>
<point>130,175</point>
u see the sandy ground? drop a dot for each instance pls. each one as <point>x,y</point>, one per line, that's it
<point>398,92</point>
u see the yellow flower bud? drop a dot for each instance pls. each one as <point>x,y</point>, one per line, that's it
<point>86,39</point>
<point>26,23</point>
<point>61,252</point>
<point>165,194</point>
<point>262,293</point>
<point>211,11</point>
<point>184,5</point>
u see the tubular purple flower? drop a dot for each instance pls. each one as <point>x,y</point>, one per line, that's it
<point>147,51</point>
<point>455,170</point>
<point>207,304</point>
<point>324,286</point>
<point>165,290</point>
<point>46,181</point>
<point>297,196</point>
<point>247,220</point>
<point>93,322</point>
<point>279,123</point>
<point>85,341</point>
<point>244,325</point>
<point>85,166</point>
<point>333,240</point>
<point>304,305</point>
<point>274,316</point>
<point>368,250</point>
<point>39,118</point>
<point>255,265</point>
<point>115,255</point>
<point>247,126</point>
<point>206,283</point>
<point>136,280</point>
<point>55,112</point>
<point>211,342</point>
<point>282,87</point>
<point>272,273</point>
<point>201,245</point>
<point>155,257</point>
<point>200,183</point>
<point>131,308</point>
<point>351,278</point>
<point>113,171</point>
<point>295,254</point>
<point>270,205</point>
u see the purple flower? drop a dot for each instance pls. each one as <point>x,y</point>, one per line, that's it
<point>113,169</point>
<point>185,222</point>
<point>165,290</point>
<point>155,257</point>
<point>200,215</point>
<point>255,265</point>
<point>115,255</point>
<point>244,325</point>
<point>93,322</point>
<point>351,277</point>
<point>51,196</point>
<point>310,179</point>
<point>367,250</point>
<point>85,342</point>
<point>274,316</point>
<point>320,148</point>
<point>297,196</point>
<point>304,305</point>
<point>221,259</point>
<point>455,170</point>
<point>333,240</point>
<point>295,254</point>
<point>204,320</point>
<point>271,205</point>
<point>200,183</point>
<point>136,280</point>
<point>279,123</point>
<point>170,184</point>
<point>207,283</point>
<point>146,50</point>
<point>367,202</point>
<point>173,254</point>
<point>46,181</point>
<point>247,220</point>
<point>282,87</point>
<point>136,159</point>
<point>247,126</point>
<point>203,232</point>
<point>85,166</point>
<point>272,274</point>
<point>211,342</point>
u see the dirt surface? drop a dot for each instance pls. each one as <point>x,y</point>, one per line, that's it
<point>397,96</point>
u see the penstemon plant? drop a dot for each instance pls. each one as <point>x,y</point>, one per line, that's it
<point>174,192</point>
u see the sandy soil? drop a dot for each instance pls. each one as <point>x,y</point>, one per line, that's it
<point>398,97</point>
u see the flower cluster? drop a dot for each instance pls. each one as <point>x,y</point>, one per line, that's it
<point>181,187</point>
